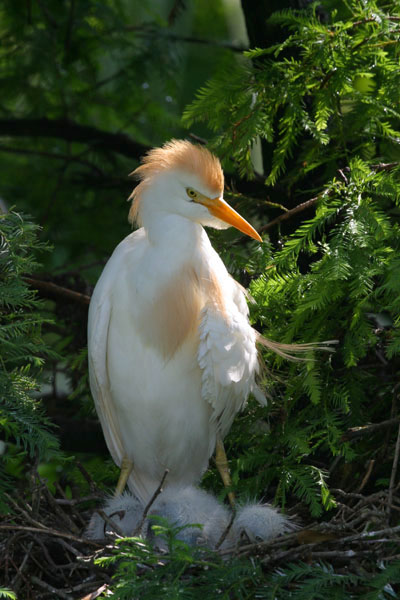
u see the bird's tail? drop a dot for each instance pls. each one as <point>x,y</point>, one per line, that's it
<point>295,351</point>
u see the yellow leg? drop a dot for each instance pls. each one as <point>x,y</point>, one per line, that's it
<point>222,465</point>
<point>126,470</point>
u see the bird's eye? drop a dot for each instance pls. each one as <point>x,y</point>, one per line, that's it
<point>191,193</point>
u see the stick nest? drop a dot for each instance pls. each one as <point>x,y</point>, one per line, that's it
<point>44,554</point>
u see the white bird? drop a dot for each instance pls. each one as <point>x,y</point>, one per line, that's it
<point>172,355</point>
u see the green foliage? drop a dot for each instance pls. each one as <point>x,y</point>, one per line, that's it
<point>347,293</point>
<point>22,349</point>
<point>324,103</point>
<point>190,573</point>
<point>76,125</point>
<point>306,96</point>
<point>7,594</point>
<point>382,583</point>
<point>326,99</point>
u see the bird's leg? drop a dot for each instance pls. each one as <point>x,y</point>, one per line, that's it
<point>126,470</point>
<point>222,465</point>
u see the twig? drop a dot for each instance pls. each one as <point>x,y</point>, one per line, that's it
<point>93,487</point>
<point>198,139</point>
<point>367,475</point>
<point>66,518</point>
<point>291,553</point>
<point>363,517</point>
<point>152,32</point>
<point>385,166</point>
<point>354,495</point>
<point>227,530</point>
<point>46,554</point>
<point>52,155</point>
<point>69,130</point>
<point>24,513</point>
<point>296,552</point>
<point>369,534</point>
<point>290,213</point>
<point>49,531</point>
<point>355,432</point>
<point>58,290</point>
<point>341,554</point>
<point>110,522</point>
<point>96,593</point>
<point>150,503</point>
<point>276,543</point>
<point>70,548</point>
<point>15,582</point>
<point>393,474</point>
<point>77,514</point>
<point>81,586</point>
<point>50,588</point>
<point>74,501</point>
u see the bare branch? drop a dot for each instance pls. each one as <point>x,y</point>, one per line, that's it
<point>50,588</point>
<point>290,213</point>
<point>58,290</point>
<point>356,432</point>
<point>55,156</point>
<point>49,531</point>
<point>67,129</point>
<point>107,519</point>
<point>150,31</point>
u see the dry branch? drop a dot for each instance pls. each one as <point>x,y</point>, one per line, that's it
<point>69,130</point>
<point>357,534</point>
<point>288,214</point>
<point>356,432</point>
<point>57,290</point>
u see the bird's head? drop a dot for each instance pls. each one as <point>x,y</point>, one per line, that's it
<point>187,180</point>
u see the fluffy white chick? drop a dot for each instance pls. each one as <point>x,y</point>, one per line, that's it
<point>125,511</point>
<point>260,523</point>
<point>183,506</point>
<point>203,518</point>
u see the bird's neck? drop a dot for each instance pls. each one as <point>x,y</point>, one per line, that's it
<point>175,234</point>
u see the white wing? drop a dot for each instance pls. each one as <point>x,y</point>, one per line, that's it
<point>98,324</point>
<point>228,357</point>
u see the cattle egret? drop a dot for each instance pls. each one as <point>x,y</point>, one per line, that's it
<point>172,355</point>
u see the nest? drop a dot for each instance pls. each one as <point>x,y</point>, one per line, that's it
<point>44,554</point>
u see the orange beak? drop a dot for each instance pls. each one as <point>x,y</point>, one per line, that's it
<point>221,209</point>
